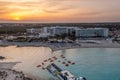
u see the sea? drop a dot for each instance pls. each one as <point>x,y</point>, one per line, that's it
<point>92,63</point>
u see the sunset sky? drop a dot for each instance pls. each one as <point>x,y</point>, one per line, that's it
<point>60,10</point>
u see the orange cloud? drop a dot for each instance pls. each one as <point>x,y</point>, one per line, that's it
<point>59,10</point>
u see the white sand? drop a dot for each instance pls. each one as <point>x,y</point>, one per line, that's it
<point>7,65</point>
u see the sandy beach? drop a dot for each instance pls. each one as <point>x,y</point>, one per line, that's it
<point>63,45</point>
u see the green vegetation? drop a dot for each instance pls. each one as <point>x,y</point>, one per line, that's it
<point>37,39</point>
<point>63,36</point>
<point>18,39</point>
<point>10,30</point>
<point>1,57</point>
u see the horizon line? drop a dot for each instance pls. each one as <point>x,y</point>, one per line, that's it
<point>58,22</point>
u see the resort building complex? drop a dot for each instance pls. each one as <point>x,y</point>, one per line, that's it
<point>68,31</point>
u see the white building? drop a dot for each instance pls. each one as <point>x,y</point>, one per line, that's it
<point>46,29</point>
<point>39,32</point>
<point>92,32</point>
<point>43,35</point>
<point>34,30</point>
<point>58,30</point>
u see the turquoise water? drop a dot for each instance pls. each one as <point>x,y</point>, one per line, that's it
<point>95,63</point>
<point>92,63</point>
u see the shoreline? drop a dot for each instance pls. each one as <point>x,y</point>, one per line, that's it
<point>7,65</point>
<point>7,72</point>
<point>56,47</point>
<point>60,46</point>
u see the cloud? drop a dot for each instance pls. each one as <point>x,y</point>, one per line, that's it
<point>20,0</point>
<point>7,7</point>
<point>71,9</point>
<point>50,11</point>
<point>92,13</point>
<point>57,10</point>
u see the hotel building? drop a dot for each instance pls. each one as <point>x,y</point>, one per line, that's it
<point>79,33</point>
<point>58,30</point>
<point>92,32</point>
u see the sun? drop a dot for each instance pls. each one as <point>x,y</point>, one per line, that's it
<point>17,18</point>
